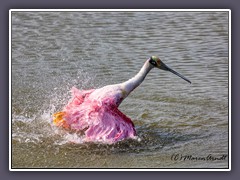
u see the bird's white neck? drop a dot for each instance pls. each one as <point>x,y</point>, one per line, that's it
<point>134,82</point>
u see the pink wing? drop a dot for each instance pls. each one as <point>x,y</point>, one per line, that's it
<point>101,121</point>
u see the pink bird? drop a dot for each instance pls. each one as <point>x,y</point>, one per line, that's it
<point>94,113</point>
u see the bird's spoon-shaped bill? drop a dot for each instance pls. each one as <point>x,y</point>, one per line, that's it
<point>166,68</point>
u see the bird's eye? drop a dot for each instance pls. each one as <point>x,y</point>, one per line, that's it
<point>152,61</point>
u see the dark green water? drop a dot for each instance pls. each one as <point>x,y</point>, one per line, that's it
<point>53,51</point>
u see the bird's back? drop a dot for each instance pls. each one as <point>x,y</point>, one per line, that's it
<point>114,92</point>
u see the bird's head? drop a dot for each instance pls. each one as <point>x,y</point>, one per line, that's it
<point>156,62</point>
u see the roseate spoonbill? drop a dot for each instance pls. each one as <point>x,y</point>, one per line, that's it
<point>94,113</point>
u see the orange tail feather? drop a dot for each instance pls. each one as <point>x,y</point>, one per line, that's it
<point>59,120</point>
